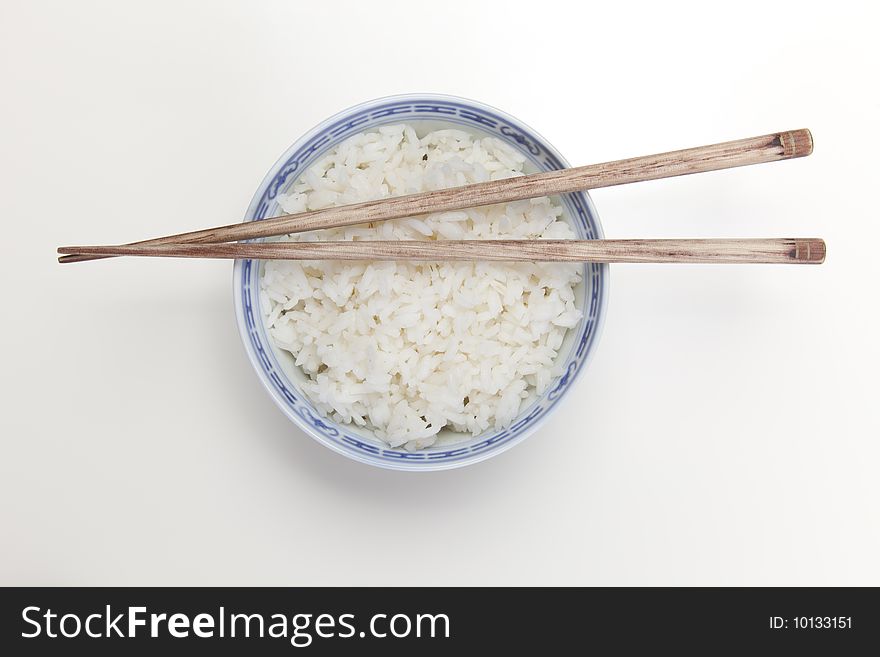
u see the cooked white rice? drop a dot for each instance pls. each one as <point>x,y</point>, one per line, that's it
<point>406,349</point>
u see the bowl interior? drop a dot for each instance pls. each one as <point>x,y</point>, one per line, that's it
<point>276,368</point>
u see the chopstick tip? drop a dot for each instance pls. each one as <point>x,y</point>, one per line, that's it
<point>69,254</point>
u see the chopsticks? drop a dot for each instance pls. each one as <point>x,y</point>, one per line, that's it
<point>784,250</point>
<point>726,155</point>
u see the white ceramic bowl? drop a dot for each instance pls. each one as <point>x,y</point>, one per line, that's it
<point>281,377</point>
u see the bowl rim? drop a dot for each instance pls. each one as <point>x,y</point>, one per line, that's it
<point>275,395</point>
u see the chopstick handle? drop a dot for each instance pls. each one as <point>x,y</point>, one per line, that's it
<point>784,250</point>
<point>755,150</point>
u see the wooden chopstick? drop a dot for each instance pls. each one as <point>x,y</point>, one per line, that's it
<point>785,250</point>
<point>755,150</point>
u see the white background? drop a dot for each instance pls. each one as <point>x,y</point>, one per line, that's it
<point>725,433</point>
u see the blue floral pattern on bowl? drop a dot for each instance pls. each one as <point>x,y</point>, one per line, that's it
<point>451,111</point>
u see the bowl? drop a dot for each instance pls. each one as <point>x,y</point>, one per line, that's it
<point>281,378</point>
